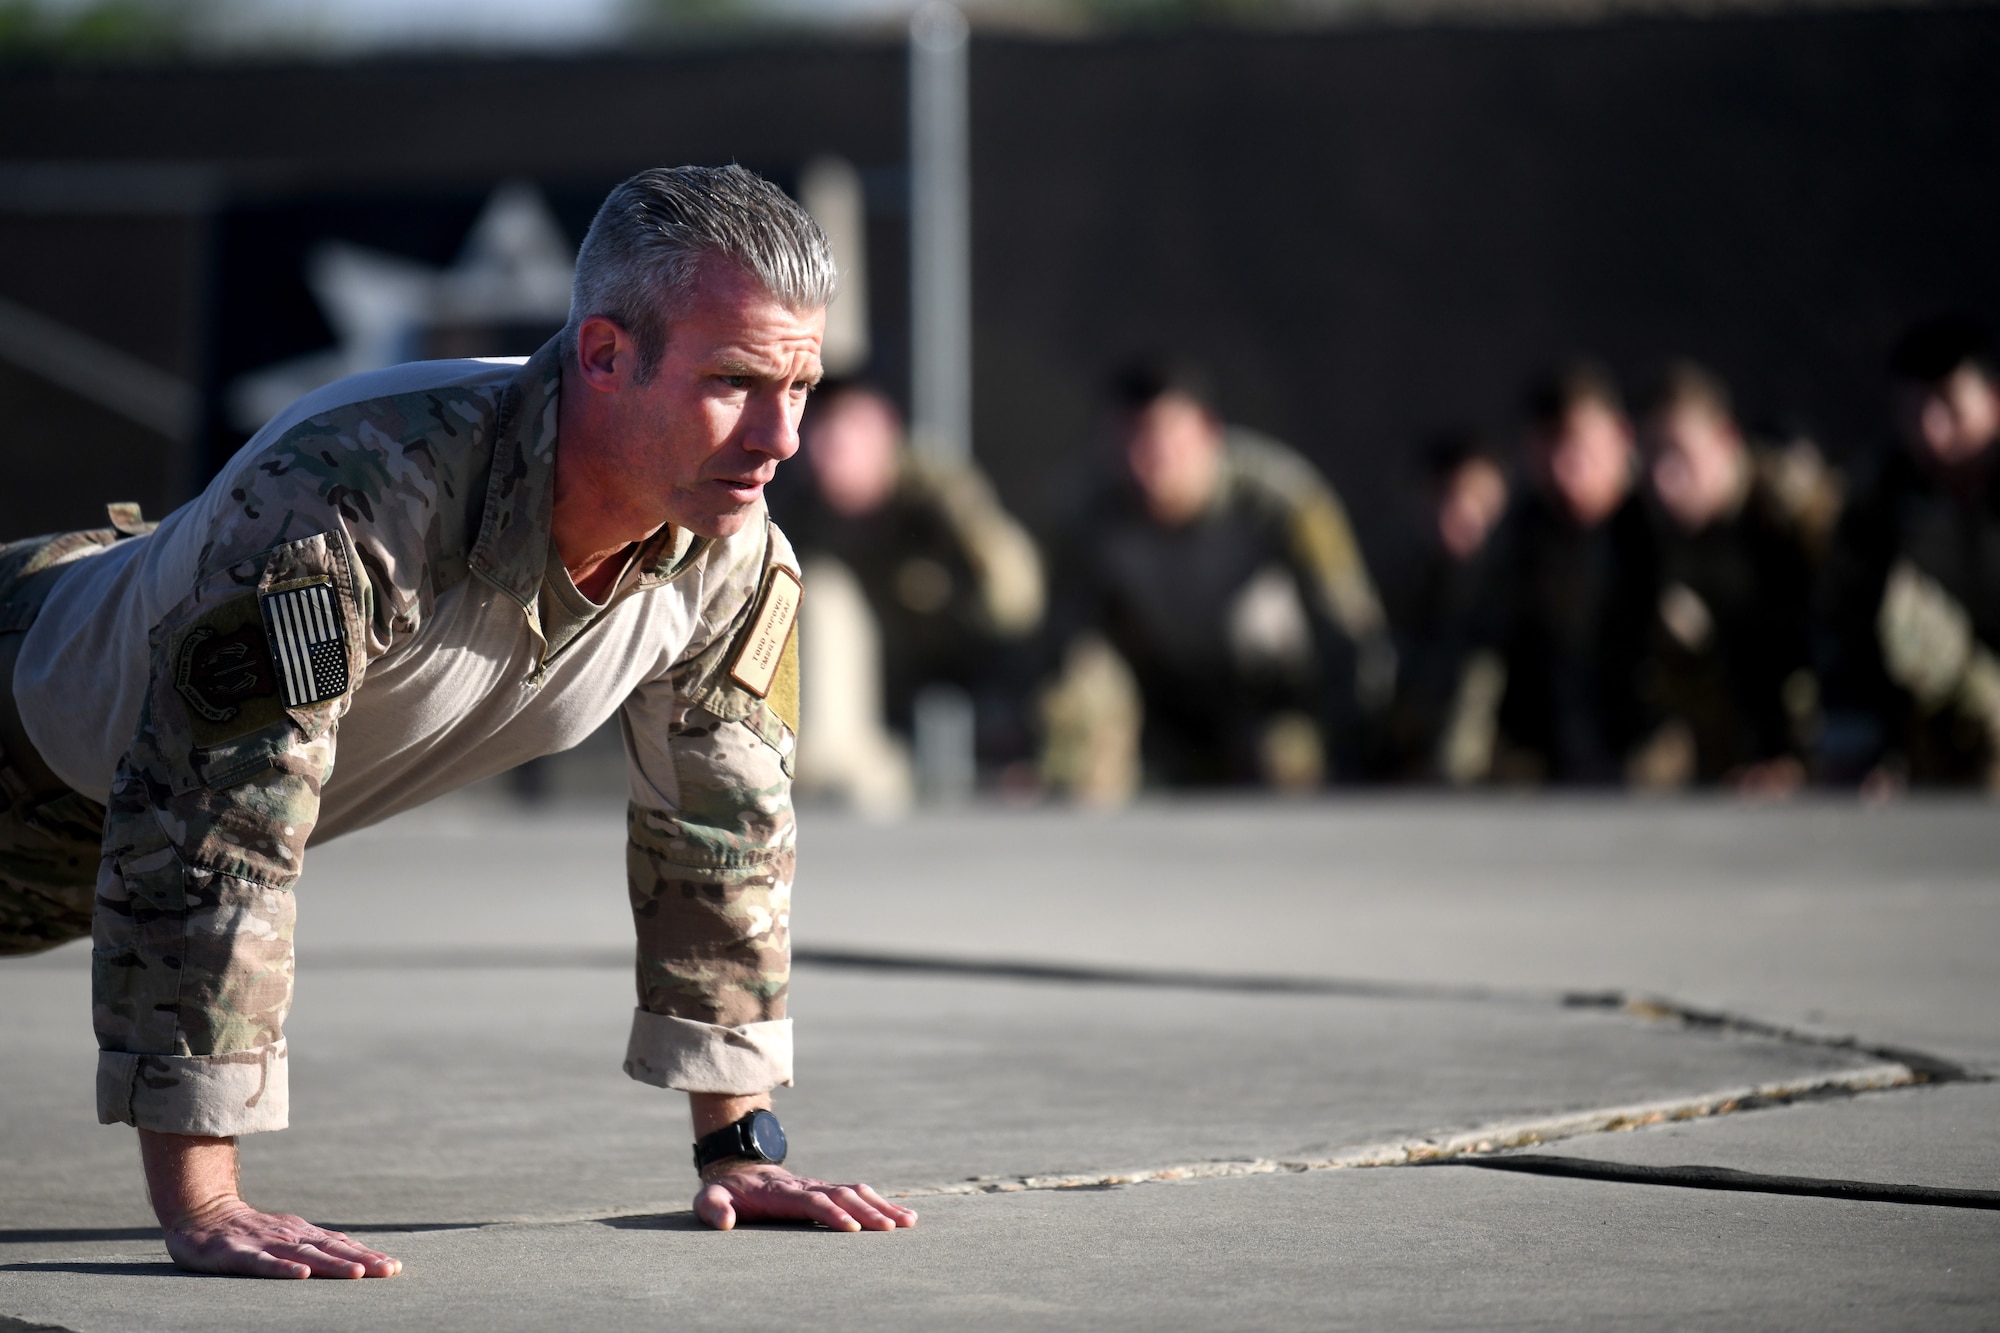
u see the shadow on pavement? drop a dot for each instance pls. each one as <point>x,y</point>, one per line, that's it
<point>107,1268</point>
<point>85,1235</point>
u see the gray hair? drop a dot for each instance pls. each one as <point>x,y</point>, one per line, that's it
<point>644,252</point>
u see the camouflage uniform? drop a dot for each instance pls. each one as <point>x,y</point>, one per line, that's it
<point>403,519</point>
<point>1910,650</point>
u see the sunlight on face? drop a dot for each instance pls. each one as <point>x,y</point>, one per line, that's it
<point>852,446</point>
<point>1172,447</point>
<point>706,433</point>
<point>1955,420</point>
<point>1587,461</point>
<point>1696,464</point>
<point>1469,505</point>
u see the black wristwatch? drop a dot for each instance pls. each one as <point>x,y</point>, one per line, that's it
<point>757,1137</point>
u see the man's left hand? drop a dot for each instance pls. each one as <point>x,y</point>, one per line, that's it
<point>762,1192</point>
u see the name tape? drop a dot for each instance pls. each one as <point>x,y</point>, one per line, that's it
<point>756,665</point>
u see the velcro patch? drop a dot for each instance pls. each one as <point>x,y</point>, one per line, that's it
<point>756,664</point>
<point>223,671</point>
<point>308,642</point>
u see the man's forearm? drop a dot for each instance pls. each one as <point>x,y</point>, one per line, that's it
<point>209,1229</point>
<point>710,1111</point>
<point>187,1174</point>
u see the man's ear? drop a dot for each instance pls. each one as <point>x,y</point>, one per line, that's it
<point>606,356</point>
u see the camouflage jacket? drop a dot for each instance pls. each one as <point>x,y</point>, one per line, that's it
<point>365,572</point>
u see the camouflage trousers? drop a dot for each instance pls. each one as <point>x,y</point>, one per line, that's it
<point>50,836</point>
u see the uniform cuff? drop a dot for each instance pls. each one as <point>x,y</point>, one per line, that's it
<point>244,1092</point>
<point>670,1052</point>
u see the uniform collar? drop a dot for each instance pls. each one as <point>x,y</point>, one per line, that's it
<point>512,548</point>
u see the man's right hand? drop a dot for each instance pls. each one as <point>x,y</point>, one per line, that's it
<point>209,1229</point>
<point>238,1239</point>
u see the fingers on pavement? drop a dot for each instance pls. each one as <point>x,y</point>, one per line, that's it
<point>713,1206</point>
<point>374,1263</point>
<point>869,1217</point>
<point>903,1217</point>
<point>321,1263</point>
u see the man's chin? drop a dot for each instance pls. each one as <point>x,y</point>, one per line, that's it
<point>718,524</point>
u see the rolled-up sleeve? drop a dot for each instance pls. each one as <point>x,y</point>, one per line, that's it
<point>710,850</point>
<point>205,834</point>
<point>318,552</point>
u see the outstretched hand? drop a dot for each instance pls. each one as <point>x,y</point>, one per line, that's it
<point>209,1229</point>
<point>761,1192</point>
<point>238,1239</point>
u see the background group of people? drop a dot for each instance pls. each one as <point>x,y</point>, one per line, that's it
<point>1642,593</point>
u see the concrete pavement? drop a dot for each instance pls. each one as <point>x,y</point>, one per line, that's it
<point>984,1023</point>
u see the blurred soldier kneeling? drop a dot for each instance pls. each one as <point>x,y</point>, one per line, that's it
<point>1741,529</point>
<point>1912,650</point>
<point>1214,570</point>
<point>919,578</point>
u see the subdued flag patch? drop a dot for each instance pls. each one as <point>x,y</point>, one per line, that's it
<point>308,643</point>
<point>756,664</point>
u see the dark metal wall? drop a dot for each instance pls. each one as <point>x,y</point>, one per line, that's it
<point>1376,234</point>
<point>1370,234</point>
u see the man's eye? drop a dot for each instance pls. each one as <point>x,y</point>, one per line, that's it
<point>736,381</point>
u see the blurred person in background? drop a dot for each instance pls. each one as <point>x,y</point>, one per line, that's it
<point>1739,529</point>
<point>1437,619</point>
<point>1214,571</point>
<point>1912,595</point>
<point>1570,606</point>
<point>919,577</point>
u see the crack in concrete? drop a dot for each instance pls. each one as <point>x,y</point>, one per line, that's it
<point>1445,1145</point>
<point>1247,983</point>
<point>1728,1178</point>
<point>1929,1068</point>
<point>1439,1147</point>
<point>1897,1067</point>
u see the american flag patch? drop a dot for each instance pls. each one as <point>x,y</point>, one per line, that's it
<point>308,643</point>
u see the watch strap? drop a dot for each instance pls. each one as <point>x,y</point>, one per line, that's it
<point>732,1140</point>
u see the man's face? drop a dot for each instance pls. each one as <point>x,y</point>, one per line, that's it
<point>1696,463</point>
<point>1470,501</point>
<point>1171,448</point>
<point>700,439</point>
<point>1586,461</point>
<point>1953,421</point>
<point>852,447</point>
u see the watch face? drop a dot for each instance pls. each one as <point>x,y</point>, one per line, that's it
<point>767,1136</point>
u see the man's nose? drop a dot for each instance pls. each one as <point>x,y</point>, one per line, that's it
<point>775,432</point>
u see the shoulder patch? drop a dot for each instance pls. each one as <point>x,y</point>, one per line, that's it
<point>308,641</point>
<point>757,662</point>
<point>223,671</point>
